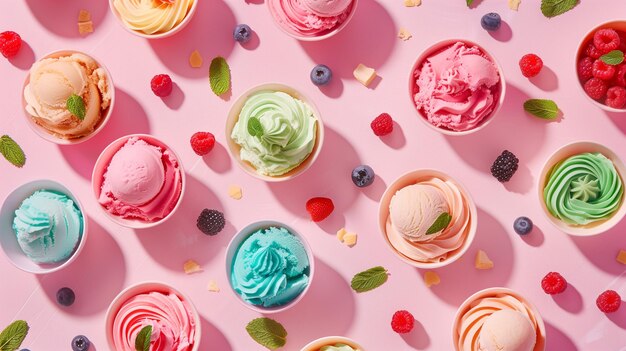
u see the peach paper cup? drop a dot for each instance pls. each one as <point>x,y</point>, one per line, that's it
<point>8,241</point>
<point>561,154</point>
<point>144,288</point>
<point>102,163</point>
<point>435,48</point>
<point>411,178</point>
<point>285,28</point>
<point>44,133</point>
<point>465,306</point>
<point>316,345</point>
<point>615,24</point>
<point>169,33</point>
<point>234,148</point>
<point>236,242</point>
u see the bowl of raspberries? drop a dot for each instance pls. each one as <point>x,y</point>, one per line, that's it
<point>601,66</point>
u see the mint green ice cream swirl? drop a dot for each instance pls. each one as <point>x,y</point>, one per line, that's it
<point>337,347</point>
<point>584,188</point>
<point>289,132</point>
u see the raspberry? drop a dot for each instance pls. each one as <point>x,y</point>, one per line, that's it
<point>402,322</point>
<point>595,88</point>
<point>319,208</point>
<point>622,41</point>
<point>553,283</point>
<point>504,166</point>
<point>382,125</point>
<point>616,97</point>
<point>609,301</point>
<point>202,143</point>
<point>210,222</point>
<point>585,68</point>
<point>161,85</point>
<point>10,43</point>
<point>620,75</point>
<point>602,70</point>
<point>606,40</point>
<point>530,65</point>
<point>592,52</point>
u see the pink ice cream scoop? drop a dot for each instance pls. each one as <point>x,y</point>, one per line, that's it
<point>142,181</point>
<point>327,8</point>
<point>457,88</point>
<point>173,325</point>
<point>310,18</point>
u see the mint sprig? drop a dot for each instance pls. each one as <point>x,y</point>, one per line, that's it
<point>142,340</point>
<point>255,128</point>
<point>542,108</point>
<point>469,2</point>
<point>369,279</point>
<point>553,8</point>
<point>267,332</point>
<point>76,106</point>
<point>11,337</point>
<point>12,152</point>
<point>613,58</point>
<point>219,75</point>
<point>440,223</point>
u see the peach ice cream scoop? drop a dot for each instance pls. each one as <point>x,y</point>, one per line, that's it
<point>507,330</point>
<point>415,208</point>
<point>327,8</point>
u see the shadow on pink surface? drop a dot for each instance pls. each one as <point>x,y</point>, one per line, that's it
<point>329,176</point>
<point>417,338</point>
<point>503,34</point>
<point>492,238</point>
<point>319,303</point>
<point>128,117</point>
<point>570,300</point>
<point>546,80</point>
<point>619,317</point>
<point>24,58</point>
<point>218,159</point>
<point>204,33</point>
<point>212,338</point>
<point>395,140</point>
<point>535,238</point>
<point>599,253</point>
<point>619,119</point>
<point>557,340</point>
<point>62,19</point>
<point>96,276</point>
<point>175,99</point>
<point>178,239</point>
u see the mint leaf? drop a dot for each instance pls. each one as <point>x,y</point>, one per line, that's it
<point>613,58</point>
<point>12,336</point>
<point>12,152</point>
<point>553,8</point>
<point>142,340</point>
<point>369,279</point>
<point>255,128</point>
<point>542,108</point>
<point>76,106</point>
<point>440,224</point>
<point>267,332</point>
<point>469,2</point>
<point>219,75</point>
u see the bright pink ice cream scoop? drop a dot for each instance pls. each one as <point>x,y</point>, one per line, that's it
<point>310,18</point>
<point>327,8</point>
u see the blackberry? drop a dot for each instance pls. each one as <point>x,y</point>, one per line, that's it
<point>504,166</point>
<point>211,222</point>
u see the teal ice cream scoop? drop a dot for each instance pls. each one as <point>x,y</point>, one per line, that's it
<point>48,226</point>
<point>270,268</point>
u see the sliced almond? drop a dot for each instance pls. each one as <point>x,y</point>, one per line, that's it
<point>621,257</point>
<point>482,260</point>
<point>195,59</point>
<point>365,75</point>
<point>350,239</point>
<point>235,192</point>
<point>431,278</point>
<point>341,233</point>
<point>191,267</point>
<point>404,34</point>
<point>213,287</point>
<point>514,4</point>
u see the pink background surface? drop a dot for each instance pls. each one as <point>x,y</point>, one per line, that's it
<point>115,257</point>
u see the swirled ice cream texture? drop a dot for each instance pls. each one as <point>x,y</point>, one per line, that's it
<point>270,268</point>
<point>413,210</point>
<point>337,347</point>
<point>289,132</point>
<point>457,88</point>
<point>583,189</point>
<point>172,321</point>
<point>48,226</point>
<point>310,18</point>
<point>152,16</point>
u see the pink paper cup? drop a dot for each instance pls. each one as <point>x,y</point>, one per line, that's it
<point>236,242</point>
<point>563,153</point>
<point>234,149</point>
<point>615,24</point>
<point>144,288</point>
<point>8,241</point>
<point>413,87</point>
<point>169,33</point>
<point>411,178</point>
<point>44,133</point>
<point>102,163</point>
<point>540,344</point>
<point>285,28</point>
<point>316,345</point>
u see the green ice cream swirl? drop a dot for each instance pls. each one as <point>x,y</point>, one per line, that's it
<point>289,127</point>
<point>583,189</point>
<point>337,347</point>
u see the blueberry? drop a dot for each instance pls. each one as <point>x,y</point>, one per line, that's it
<point>363,176</point>
<point>80,343</point>
<point>523,225</point>
<point>242,33</point>
<point>24,350</point>
<point>65,296</point>
<point>321,75</point>
<point>491,21</point>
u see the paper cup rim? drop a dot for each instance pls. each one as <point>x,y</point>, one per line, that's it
<point>169,33</point>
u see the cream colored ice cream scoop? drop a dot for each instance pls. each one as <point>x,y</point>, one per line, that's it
<point>414,209</point>
<point>327,8</point>
<point>507,330</point>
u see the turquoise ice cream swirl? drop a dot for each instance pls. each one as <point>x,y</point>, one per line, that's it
<point>583,189</point>
<point>288,132</point>
<point>48,226</point>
